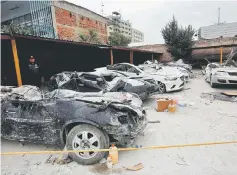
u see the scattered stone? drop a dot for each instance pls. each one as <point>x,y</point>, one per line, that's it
<point>155,121</point>
<point>135,167</point>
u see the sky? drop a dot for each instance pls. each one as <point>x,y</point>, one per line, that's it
<point>150,16</point>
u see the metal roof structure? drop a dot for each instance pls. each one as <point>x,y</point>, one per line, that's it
<point>102,46</point>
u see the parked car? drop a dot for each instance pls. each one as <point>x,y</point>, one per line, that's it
<point>181,64</point>
<point>77,120</point>
<point>166,70</point>
<point>127,75</point>
<point>95,82</point>
<point>170,68</point>
<point>167,82</point>
<point>216,74</point>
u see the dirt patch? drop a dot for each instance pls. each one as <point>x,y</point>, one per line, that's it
<point>102,169</point>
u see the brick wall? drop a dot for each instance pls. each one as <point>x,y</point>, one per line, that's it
<point>70,25</point>
<point>162,48</point>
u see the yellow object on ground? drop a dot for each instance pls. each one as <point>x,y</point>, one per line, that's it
<point>162,104</point>
<point>121,149</point>
<point>233,93</point>
<point>113,154</point>
<point>172,108</point>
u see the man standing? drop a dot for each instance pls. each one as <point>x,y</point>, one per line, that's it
<point>34,69</point>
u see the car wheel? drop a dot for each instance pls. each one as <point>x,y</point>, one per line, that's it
<point>213,85</point>
<point>161,87</point>
<point>84,137</point>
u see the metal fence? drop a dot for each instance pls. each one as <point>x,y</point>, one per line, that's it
<point>41,17</point>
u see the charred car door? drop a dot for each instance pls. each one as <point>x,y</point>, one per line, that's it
<point>33,121</point>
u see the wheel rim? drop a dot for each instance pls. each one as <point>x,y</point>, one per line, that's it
<point>161,87</point>
<point>85,141</point>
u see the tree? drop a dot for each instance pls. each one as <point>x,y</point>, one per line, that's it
<point>17,29</point>
<point>178,39</point>
<point>117,39</point>
<point>91,37</point>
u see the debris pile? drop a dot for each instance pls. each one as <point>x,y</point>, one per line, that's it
<point>219,96</point>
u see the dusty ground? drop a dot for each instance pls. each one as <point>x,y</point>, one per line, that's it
<point>204,121</point>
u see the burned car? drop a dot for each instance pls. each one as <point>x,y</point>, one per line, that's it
<point>217,74</point>
<point>167,82</point>
<point>80,121</point>
<point>95,82</point>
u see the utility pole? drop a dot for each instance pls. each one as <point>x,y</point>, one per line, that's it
<point>219,14</point>
<point>102,8</point>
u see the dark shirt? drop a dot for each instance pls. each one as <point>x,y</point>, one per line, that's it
<point>34,68</point>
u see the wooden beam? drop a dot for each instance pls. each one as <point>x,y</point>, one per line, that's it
<point>16,61</point>
<point>111,57</point>
<point>131,57</point>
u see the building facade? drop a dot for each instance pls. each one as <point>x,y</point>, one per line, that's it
<point>137,36</point>
<point>54,19</point>
<point>124,27</point>
<point>35,15</point>
<point>218,31</point>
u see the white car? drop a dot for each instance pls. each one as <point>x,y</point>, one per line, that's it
<point>167,81</point>
<point>216,74</point>
<point>169,68</point>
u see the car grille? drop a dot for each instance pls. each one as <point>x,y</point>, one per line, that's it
<point>232,73</point>
<point>221,81</point>
<point>232,81</point>
<point>182,78</point>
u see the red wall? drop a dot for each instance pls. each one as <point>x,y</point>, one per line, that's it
<point>70,25</point>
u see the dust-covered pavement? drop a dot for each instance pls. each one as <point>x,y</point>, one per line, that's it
<point>202,121</point>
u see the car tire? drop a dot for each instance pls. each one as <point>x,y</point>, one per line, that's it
<point>80,137</point>
<point>213,85</point>
<point>161,87</point>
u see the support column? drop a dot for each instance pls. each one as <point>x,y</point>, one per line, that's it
<point>131,57</point>
<point>152,58</point>
<point>221,50</point>
<point>111,57</point>
<point>16,61</point>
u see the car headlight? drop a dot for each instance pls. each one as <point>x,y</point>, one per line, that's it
<point>221,73</point>
<point>171,78</point>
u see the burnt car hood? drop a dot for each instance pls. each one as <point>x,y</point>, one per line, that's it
<point>117,99</point>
